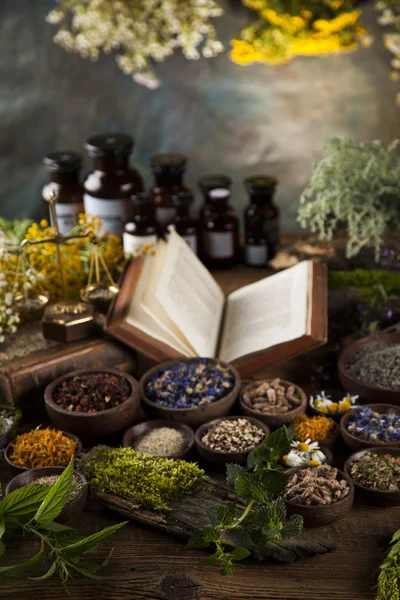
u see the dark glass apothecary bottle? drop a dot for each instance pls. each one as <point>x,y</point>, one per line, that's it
<point>219,231</point>
<point>63,168</point>
<point>110,186</point>
<point>261,219</point>
<point>168,170</point>
<point>142,230</point>
<point>209,183</point>
<point>183,223</point>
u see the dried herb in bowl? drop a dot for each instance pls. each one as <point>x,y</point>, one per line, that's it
<point>316,487</point>
<point>377,365</point>
<point>197,382</point>
<point>371,426</point>
<point>233,435</point>
<point>315,429</point>
<point>161,442</point>
<point>272,397</point>
<point>92,392</point>
<point>377,471</point>
<point>42,448</point>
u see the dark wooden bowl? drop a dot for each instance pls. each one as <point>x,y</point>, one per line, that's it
<point>93,426</point>
<point>368,393</point>
<point>221,458</point>
<point>328,455</point>
<point>16,469</point>
<point>318,516</point>
<point>72,509</point>
<point>274,421</point>
<point>373,496</point>
<point>355,443</point>
<point>190,416</point>
<point>133,434</point>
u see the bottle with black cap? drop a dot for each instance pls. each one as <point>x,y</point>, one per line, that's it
<point>209,183</point>
<point>168,170</point>
<point>261,218</point>
<point>64,168</point>
<point>219,231</point>
<point>112,183</point>
<point>142,230</point>
<point>183,223</point>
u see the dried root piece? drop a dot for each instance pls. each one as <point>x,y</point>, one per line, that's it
<point>316,486</point>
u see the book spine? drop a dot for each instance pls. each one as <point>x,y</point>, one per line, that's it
<point>20,380</point>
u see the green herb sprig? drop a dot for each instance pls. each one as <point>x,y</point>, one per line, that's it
<point>389,572</point>
<point>264,518</point>
<point>32,510</point>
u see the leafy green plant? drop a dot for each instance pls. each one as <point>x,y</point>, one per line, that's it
<point>264,518</point>
<point>32,510</point>
<point>356,187</point>
<point>389,572</point>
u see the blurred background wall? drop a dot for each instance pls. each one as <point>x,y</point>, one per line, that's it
<point>224,117</point>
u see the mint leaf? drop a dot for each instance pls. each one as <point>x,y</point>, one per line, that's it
<point>212,514</point>
<point>259,492</point>
<point>226,514</point>
<point>211,534</point>
<point>275,481</point>
<point>55,527</point>
<point>197,540</point>
<point>242,484</point>
<point>9,573</point>
<point>47,575</point>
<point>57,497</point>
<point>89,543</point>
<point>293,527</point>
<point>239,554</point>
<point>23,501</point>
<point>232,473</point>
<point>213,559</point>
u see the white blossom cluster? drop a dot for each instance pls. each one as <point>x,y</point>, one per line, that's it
<point>140,31</point>
<point>390,16</point>
<point>9,318</point>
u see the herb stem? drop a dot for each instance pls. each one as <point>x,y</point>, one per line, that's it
<point>242,517</point>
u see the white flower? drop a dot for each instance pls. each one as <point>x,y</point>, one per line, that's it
<point>305,447</point>
<point>8,299</point>
<point>318,456</point>
<point>295,460</point>
<point>321,400</point>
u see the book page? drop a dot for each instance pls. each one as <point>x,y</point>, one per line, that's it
<point>155,309</point>
<point>139,318</point>
<point>191,297</point>
<point>264,314</point>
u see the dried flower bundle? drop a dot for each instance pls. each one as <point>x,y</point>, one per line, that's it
<point>141,31</point>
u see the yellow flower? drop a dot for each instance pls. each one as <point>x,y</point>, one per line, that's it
<point>344,405</point>
<point>314,463</point>
<point>334,407</point>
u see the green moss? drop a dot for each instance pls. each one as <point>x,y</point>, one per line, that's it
<point>361,278</point>
<point>152,481</point>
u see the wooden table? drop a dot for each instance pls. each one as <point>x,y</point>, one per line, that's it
<point>150,565</point>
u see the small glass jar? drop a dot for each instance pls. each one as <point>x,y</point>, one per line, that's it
<point>168,170</point>
<point>209,183</point>
<point>261,219</point>
<point>112,183</point>
<point>183,223</point>
<point>142,230</point>
<point>63,168</point>
<point>219,231</point>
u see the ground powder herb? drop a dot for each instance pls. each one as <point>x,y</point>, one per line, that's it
<point>163,441</point>
<point>52,479</point>
<point>377,365</point>
<point>154,482</point>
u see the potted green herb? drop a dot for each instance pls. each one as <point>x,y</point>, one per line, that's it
<point>354,192</point>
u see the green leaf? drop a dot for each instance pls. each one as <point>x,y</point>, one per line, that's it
<point>239,553</point>
<point>275,481</point>
<point>47,575</point>
<point>83,570</point>
<point>212,513</point>
<point>259,492</point>
<point>293,527</point>
<point>89,543</point>
<point>242,484</point>
<point>396,536</point>
<point>57,496</point>
<point>55,527</point>
<point>8,573</point>
<point>278,442</point>
<point>229,569</point>
<point>23,501</point>
<point>197,540</point>
<point>226,514</point>
<point>232,473</point>
<point>2,548</point>
<point>213,559</point>
<point>2,529</point>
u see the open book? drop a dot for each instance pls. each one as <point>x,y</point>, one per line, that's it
<point>170,306</point>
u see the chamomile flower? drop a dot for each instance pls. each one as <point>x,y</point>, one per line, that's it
<point>295,460</point>
<point>304,447</point>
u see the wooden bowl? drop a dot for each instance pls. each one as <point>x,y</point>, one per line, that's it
<point>371,495</point>
<point>355,443</point>
<point>93,426</point>
<point>190,416</point>
<point>72,509</point>
<point>367,392</point>
<point>16,469</point>
<point>221,458</point>
<point>318,516</point>
<point>274,421</point>
<point>132,435</point>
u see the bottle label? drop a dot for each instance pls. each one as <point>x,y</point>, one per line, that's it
<point>256,255</point>
<point>271,231</point>
<point>113,213</point>
<point>67,216</point>
<point>165,215</point>
<point>133,244</point>
<point>219,245</point>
